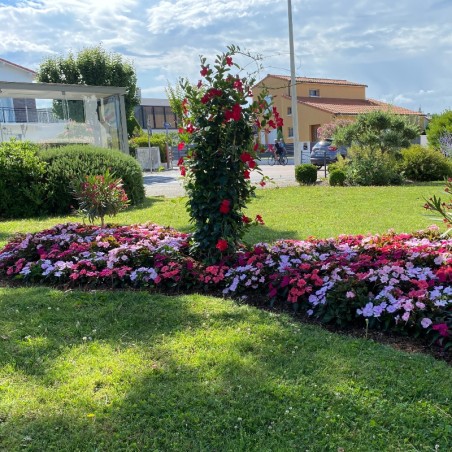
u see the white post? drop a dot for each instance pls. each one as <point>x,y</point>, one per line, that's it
<point>293,90</point>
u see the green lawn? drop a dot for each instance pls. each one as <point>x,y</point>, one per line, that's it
<point>293,213</point>
<point>106,371</point>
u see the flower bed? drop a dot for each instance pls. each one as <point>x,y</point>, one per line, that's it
<point>399,282</point>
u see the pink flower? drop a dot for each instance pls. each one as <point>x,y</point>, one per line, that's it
<point>426,322</point>
<point>442,329</point>
<point>229,61</point>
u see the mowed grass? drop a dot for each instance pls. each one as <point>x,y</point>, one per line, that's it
<point>289,213</point>
<point>125,370</point>
<point>137,371</point>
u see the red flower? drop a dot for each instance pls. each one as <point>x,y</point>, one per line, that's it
<point>225,206</point>
<point>442,329</point>
<point>234,114</point>
<point>190,128</point>
<point>222,245</point>
<point>252,164</point>
<point>181,146</point>
<point>246,219</point>
<point>245,157</point>
<point>262,183</point>
<point>246,174</point>
<point>199,83</point>
<point>182,170</point>
<point>259,219</point>
<point>229,61</point>
<point>204,71</point>
<point>180,161</point>
<point>255,147</point>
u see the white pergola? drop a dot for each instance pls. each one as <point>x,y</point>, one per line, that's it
<point>104,109</point>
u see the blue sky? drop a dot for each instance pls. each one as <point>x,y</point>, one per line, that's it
<point>401,49</point>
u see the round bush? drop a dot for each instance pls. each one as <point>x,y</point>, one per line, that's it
<point>306,173</point>
<point>22,187</point>
<point>424,164</point>
<point>157,139</point>
<point>69,164</point>
<point>337,177</point>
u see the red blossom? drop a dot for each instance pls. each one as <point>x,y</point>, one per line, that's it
<point>229,61</point>
<point>181,146</point>
<point>246,219</point>
<point>245,157</point>
<point>259,219</point>
<point>225,206</point>
<point>183,170</point>
<point>246,174</point>
<point>180,161</point>
<point>222,245</point>
<point>204,70</point>
<point>235,114</point>
<point>262,183</point>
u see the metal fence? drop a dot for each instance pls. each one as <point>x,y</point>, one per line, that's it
<point>26,115</point>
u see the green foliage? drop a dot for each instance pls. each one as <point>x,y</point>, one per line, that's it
<point>306,173</point>
<point>218,119</point>
<point>100,195</point>
<point>443,208</point>
<point>337,177</point>
<point>328,130</point>
<point>438,126</point>
<point>371,167</point>
<point>155,140</point>
<point>424,164</point>
<point>378,131</point>
<point>91,66</point>
<point>72,163</point>
<point>22,186</point>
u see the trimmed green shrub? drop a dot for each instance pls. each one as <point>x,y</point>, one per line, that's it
<point>156,139</point>
<point>22,187</point>
<point>424,164</point>
<point>371,167</point>
<point>337,177</point>
<point>306,173</point>
<point>69,164</point>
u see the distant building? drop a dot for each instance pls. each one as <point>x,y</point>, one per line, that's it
<point>321,101</point>
<point>156,114</point>
<point>16,109</point>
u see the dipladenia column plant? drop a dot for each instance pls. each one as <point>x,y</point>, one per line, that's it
<point>221,120</point>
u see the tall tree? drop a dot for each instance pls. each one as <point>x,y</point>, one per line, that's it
<point>378,130</point>
<point>91,66</point>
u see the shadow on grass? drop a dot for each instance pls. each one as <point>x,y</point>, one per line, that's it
<point>208,375</point>
<point>262,233</point>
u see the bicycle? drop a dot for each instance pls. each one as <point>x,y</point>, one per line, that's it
<point>280,159</point>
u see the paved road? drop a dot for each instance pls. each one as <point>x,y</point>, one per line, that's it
<point>169,183</point>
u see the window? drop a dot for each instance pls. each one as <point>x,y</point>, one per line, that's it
<point>289,111</point>
<point>290,132</point>
<point>314,93</point>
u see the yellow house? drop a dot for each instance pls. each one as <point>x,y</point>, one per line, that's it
<point>321,101</point>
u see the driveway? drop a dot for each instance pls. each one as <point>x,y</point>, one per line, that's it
<point>168,183</point>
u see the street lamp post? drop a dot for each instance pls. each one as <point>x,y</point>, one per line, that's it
<point>293,90</point>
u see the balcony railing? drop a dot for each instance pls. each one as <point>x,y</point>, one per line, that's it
<point>27,115</point>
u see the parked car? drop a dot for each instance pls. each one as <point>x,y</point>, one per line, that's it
<point>325,152</point>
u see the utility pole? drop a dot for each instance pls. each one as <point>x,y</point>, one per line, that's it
<point>293,90</point>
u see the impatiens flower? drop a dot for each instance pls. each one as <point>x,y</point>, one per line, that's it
<point>225,206</point>
<point>222,245</point>
<point>426,322</point>
<point>442,329</point>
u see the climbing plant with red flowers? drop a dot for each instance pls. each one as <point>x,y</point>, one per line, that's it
<point>221,120</point>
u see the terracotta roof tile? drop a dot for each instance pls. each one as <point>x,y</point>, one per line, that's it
<point>320,81</point>
<point>352,106</point>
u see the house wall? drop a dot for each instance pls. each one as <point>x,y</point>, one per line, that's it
<point>9,73</point>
